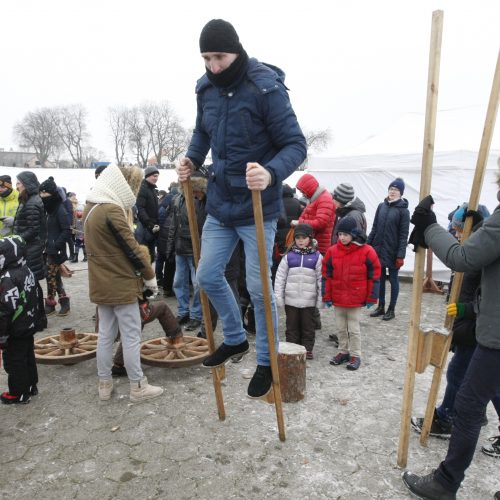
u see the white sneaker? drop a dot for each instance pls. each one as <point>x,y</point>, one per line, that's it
<point>141,391</point>
<point>105,389</point>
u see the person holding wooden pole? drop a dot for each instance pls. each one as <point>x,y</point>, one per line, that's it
<point>482,381</point>
<point>245,119</point>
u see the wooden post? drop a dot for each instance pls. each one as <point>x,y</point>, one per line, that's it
<point>477,184</point>
<point>217,373</point>
<point>292,369</point>
<point>430,285</point>
<point>425,187</point>
<point>264,276</point>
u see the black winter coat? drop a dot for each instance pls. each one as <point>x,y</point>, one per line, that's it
<point>30,224</point>
<point>18,291</point>
<point>292,209</point>
<point>147,205</point>
<point>389,234</point>
<point>179,237</point>
<point>166,216</point>
<point>58,229</point>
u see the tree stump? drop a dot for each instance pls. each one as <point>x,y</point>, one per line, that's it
<point>292,371</point>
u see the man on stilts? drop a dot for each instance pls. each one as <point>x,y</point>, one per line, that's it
<point>245,118</point>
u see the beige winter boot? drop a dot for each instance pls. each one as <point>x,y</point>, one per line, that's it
<point>141,391</point>
<point>105,389</point>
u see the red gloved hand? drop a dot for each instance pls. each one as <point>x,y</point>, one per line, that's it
<point>399,263</point>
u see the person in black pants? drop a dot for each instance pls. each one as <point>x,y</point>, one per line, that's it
<point>481,251</point>
<point>19,309</point>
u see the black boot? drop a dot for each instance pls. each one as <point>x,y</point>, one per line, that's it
<point>261,382</point>
<point>50,306</point>
<point>427,487</point>
<point>389,314</point>
<point>74,260</point>
<point>64,311</point>
<point>380,311</point>
<point>223,353</point>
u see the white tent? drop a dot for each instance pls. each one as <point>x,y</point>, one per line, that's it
<point>371,174</point>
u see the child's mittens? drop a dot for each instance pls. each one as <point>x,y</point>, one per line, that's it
<point>456,309</point>
<point>328,303</point>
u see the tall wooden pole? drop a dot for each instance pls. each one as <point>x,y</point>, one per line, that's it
<point>477,184</point>
<point>217,373</point>
<point>264,276</point>
<point>418,272</point>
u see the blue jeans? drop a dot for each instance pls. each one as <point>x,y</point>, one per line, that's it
<point>479,387</point>
<point>184,267</point>
<point>217,245</point>
<point>394,281</point>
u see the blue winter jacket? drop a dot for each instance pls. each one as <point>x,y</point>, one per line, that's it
<point>389,234</point>
<point>250,122</point>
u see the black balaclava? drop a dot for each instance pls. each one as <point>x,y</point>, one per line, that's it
<point>220,36</point>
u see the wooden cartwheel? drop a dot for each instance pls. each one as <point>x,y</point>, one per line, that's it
<point>174,353</point>
<point>67,348</point>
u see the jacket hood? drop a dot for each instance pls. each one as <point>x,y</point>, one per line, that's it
<point>263,75</point>
<point>401,203</point>
<point>308,185</point>
<point>12,252</point>
<point>29,181</point>
<point>355,204</point>
<point>133,176</point>
<point>198,183</point>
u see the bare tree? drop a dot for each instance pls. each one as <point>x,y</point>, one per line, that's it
<point>119,124</point>
<point>138,136</point>
<point>318,140</point>
<point>37,130</point>
<point>91,154</point>
<point>158,119</point>
<point>178,141</point>
<point>72,130</point>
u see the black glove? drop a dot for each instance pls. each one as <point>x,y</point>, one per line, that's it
<point>422,218</point>
<point>476,217</point>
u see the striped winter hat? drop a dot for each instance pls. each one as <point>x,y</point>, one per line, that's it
<point>343,193</point>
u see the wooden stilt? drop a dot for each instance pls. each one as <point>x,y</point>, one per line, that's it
<point>264,275</point>
<point>477,184</point>
<point>218,374</point>
<point>425,186</point>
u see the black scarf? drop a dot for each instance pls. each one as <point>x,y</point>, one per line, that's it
<point>6,193</point>
<point>232,75</point>
<point>51,203</point>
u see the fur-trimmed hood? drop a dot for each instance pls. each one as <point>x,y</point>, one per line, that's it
<point>197,182</point>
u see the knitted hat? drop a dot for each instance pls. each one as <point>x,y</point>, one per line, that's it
<point>6,181</point>
<point>346,225</point>
<point>220,36</point>
<point>48,186</point>
<point>343,193</point>
<point>303,230</point>
<point>151,170</point>
<point>399,184</point>
<point>458,217</point>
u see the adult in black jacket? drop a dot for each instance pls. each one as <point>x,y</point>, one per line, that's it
<point>389,238</point>
<point>147,210</point>
<point>30,224</point>
<point>179,244</point>
<point>18,321</point>
<point>292,208</point>
<point>58,235</point>
<point>165,269</point>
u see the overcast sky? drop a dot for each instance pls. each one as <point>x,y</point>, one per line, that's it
<point>358,68</point>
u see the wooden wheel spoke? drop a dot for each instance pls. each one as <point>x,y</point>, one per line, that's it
<point>187,351</point>
<point>49,350</point>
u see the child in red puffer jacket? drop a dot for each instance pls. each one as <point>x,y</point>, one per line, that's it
<point>351,273</point>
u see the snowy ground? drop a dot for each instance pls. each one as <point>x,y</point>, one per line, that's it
<point>341,440</point>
